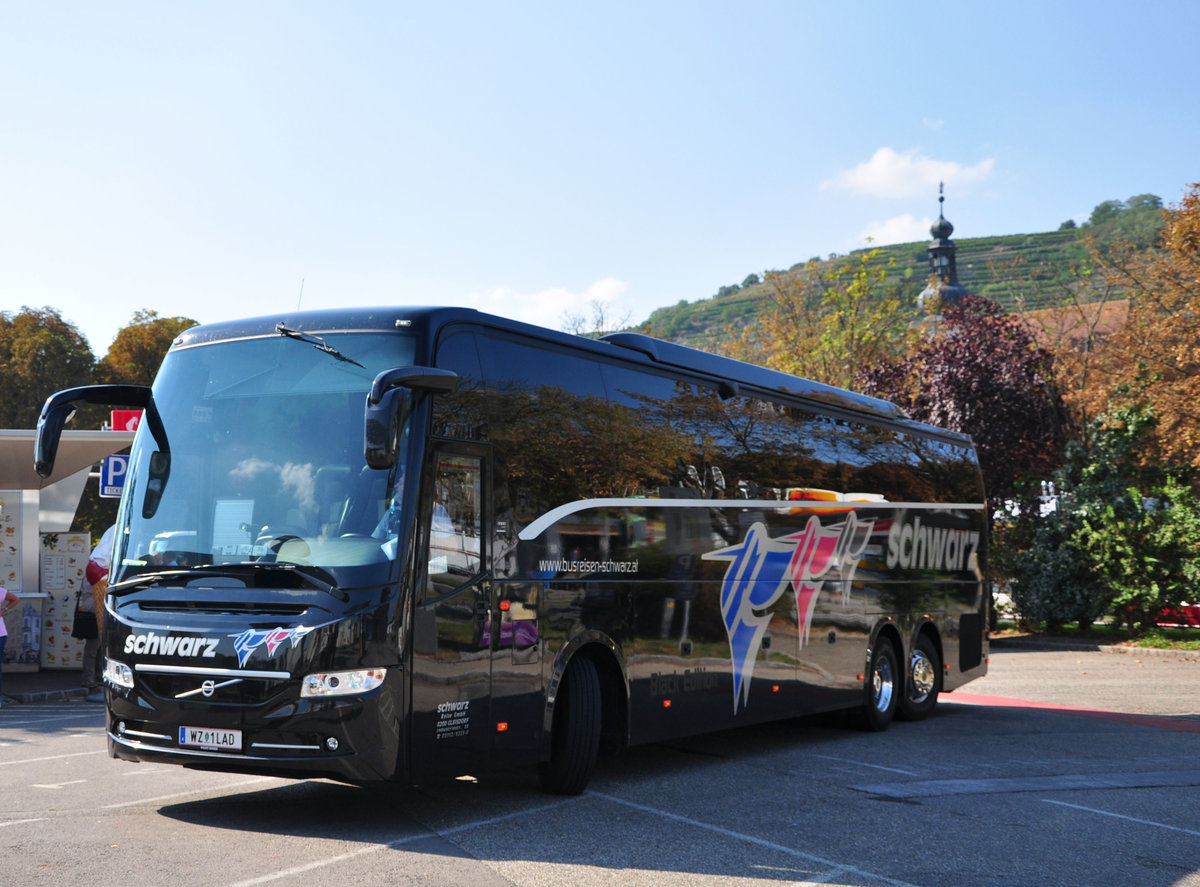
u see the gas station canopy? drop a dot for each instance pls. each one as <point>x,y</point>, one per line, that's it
<point>77,450</point>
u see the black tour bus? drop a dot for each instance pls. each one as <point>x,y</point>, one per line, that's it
<point>394,544</point>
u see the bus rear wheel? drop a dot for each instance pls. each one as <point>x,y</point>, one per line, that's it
<point>882,690</point>
<point>576,738</point>
<point>921,689</point>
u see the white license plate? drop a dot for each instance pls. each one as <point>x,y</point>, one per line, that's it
<point>208,737</point>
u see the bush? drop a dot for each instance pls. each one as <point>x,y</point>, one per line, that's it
<point>1054,583</point>
<point>1124,539</point>
<point>1145,552</point>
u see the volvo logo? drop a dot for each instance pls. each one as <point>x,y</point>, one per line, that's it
<point>208,688</point>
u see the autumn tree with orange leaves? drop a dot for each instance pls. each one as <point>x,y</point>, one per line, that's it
<point>139,348</point>
<point>1153,360</point>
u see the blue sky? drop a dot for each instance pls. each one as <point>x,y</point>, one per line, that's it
<point>217,160</point>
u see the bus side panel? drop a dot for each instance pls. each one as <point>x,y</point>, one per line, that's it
<point>682,674</point>
<point>518,681</point>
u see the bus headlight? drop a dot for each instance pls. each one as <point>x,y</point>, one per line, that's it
<point>341,683</point>
<point>118,674</point>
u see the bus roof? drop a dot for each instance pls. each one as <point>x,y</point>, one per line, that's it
<point>729,374</point>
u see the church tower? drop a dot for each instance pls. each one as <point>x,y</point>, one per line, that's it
<point>943,273</point>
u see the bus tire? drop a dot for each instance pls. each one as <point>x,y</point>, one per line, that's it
<point>923,682</point>
<point>576,738</point>
<point>883,686</point>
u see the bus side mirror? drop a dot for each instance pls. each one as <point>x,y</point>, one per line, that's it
<point>60,406</point>
<point>384,420</point>
<point>389,404</point>
<point>160,470</point>
<point>49,431</point>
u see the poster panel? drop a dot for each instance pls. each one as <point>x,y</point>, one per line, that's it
<point>63,559</point>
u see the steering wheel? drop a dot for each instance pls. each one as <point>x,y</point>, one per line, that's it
<point>274,540</point>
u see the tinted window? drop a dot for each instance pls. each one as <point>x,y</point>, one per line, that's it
<point>550,424</point>
<point>461,414</point>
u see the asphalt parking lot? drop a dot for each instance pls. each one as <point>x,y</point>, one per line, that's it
<point>1060,767</point>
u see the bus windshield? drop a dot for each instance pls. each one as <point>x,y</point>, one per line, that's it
<point>260,460</point>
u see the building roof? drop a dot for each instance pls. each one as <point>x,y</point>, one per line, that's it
<point>76,450</point>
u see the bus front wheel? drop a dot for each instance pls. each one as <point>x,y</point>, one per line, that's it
<point>883,686</point>
<point>576,738</point>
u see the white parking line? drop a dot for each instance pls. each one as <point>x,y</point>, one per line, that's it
<point>935,788</point>
<point>1174,828</point>
<point>39,721</point>
<point>392,845</point>
<point>872,766</point>
<point>77,754</point>
<point>199,791</point>
<point>835,868</point>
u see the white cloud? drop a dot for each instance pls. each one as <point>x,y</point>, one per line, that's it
<point>550,307</point>
<point>907,174</point>
<point>900,229</point>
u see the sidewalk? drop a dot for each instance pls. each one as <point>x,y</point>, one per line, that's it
<point>47,685</point>
<point>1052,645</point>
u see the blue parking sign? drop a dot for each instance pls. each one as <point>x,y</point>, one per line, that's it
<point>112,475</point>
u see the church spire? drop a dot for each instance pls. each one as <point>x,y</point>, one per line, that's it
<point>943,272</point>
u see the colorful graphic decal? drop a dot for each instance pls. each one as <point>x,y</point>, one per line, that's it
<point>761,569</point>
<point>252,638</point>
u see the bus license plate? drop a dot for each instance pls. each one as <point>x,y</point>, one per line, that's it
<point>208,737</point>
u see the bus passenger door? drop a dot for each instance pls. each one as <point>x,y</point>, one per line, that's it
<point>452,627</point>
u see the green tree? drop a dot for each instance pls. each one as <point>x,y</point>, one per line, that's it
<point>1140,202</point>
<point>40,353</point>
<point>132,359</point>
<point>139,348</point>
<point>1106,212</point>
<point>826,322</point>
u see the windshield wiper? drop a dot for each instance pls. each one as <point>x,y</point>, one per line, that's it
<point>314,577</point>
<point>316,341</point>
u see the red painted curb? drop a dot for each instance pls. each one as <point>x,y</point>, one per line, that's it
<point>1178,723</point>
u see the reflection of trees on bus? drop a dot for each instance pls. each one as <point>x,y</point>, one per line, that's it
<point>559,445</point>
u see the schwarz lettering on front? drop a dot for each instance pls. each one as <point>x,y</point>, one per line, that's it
<point>396,544</point>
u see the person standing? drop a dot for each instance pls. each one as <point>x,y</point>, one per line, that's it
<point>86,603</point>
<point>96,575</point>
<point>8,601</point>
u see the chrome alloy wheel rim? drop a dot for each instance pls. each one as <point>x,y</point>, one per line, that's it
<point>924,678</point>
<point>884,683</point>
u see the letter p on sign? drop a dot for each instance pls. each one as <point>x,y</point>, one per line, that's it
<point>112,475</point>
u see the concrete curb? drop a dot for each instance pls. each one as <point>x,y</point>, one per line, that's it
<point>46,696</point>
<point>1083,647</point>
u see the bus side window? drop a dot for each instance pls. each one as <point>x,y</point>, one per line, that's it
<point>454,520</point>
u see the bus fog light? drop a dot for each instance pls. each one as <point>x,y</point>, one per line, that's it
<point>341,683</point>
<point>331,743</point>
